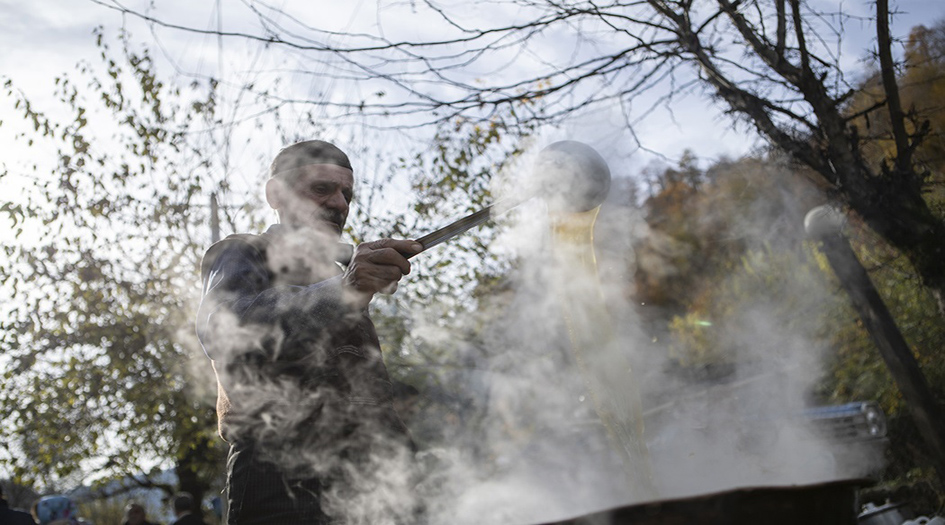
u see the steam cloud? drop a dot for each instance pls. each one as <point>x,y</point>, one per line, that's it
<point>537,450</point>
<point>550,458</point>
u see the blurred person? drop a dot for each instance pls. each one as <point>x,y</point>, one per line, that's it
<point>304,398</point>
<point>9,516</point>
<point>56,510</point>
<point>136,515</point>
<point>186,511</point>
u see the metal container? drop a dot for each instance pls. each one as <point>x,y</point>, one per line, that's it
<point>831,503</point>
<point>888,514</point>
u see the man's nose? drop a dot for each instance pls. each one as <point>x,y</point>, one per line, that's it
<point>337,201</point>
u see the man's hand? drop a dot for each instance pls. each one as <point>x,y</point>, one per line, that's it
<point>377,266</point>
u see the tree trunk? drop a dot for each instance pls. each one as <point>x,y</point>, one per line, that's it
<point>900,361</point>
<point>188,469</point>
<point>890,201</point>
<point>902,217</point>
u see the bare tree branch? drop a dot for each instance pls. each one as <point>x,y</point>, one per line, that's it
<point>888,73</point>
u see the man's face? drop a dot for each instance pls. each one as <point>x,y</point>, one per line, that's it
<point>315,196</point>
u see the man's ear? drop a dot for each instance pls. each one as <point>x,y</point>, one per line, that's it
<point>275,192</point>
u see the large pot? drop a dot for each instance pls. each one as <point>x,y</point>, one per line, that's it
<point>831,503</point>
<point>887,514</point>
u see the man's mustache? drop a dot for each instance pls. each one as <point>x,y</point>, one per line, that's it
<point>332,216</point>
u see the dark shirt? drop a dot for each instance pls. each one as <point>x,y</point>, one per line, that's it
<point>301,378</point>
<point>9,516</point>
<point>189,519</point>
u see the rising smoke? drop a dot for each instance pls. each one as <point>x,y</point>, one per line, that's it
<point>535,447</point>
<point>544,452</point>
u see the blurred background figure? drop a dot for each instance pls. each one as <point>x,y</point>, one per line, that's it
<point>217,505</point>
<point>185,510</point>
<point>135,515</point>
<point>9,516</point>
<point>56,510</point>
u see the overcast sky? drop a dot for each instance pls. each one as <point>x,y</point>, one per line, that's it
<point>41,39</point>
<point>44,38</point>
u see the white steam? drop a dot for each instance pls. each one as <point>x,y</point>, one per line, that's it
<point>536,449</point>
<point>549,457</point>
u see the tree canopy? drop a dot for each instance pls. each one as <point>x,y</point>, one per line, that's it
<point>107,239</point>
<point>773,65</point>
<point>98,361</point>
<point>104,379</point>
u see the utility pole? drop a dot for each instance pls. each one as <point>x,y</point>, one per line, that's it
<point>825,224</point>
<point>214,218</point>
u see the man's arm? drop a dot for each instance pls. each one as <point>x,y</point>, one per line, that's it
<point>376,267</point>
<point>240,309</point>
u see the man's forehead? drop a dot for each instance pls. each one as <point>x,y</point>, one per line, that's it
<point>308,152</point>
<point>321,172</point>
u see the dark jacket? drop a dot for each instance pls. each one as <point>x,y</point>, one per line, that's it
<point>189,519</point>
<point>9,516</point>
<point>300,372</point>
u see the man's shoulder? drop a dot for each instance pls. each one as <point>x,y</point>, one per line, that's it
<point>251,243</point>
<point>257,241</point>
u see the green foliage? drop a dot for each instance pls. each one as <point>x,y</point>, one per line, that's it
<point>104,511</point>
<point>922,87</point>
<point>97,347</point>
<point>451,181</point>
<point>745,220</point>
<point>454,180</point>
<point>103,376</point>
<point>783,284</point>
<point>700,226</point>
<point>858,372</point>
<point>429,329</point>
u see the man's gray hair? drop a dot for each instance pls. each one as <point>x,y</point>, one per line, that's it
<point>306,153</point>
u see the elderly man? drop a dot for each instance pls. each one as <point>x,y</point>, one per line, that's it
<point>304,398</point>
